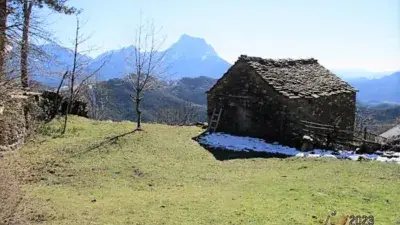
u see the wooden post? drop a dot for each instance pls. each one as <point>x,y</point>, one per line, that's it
<point>365,134</point>
<point>335,134</point>
<point>364,139</point>
<point>328,140</point>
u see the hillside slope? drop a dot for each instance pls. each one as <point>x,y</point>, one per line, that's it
<point>175,95</point>
<point>162,176</point>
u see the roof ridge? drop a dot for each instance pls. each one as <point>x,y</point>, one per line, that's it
<point>279,60</point>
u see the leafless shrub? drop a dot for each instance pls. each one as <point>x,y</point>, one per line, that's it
<point>79,76</point>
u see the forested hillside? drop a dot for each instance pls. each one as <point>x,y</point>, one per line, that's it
<point>171,97</point>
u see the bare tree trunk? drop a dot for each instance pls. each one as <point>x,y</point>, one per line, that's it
<point>92,101</point>
<point>138,112</point>
<point>27,8</point>
<point>3,37</point>
<point>56,103</point>
<point>71,89</point>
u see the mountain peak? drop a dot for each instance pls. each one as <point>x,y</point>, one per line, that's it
<point>189,38</point>
<point>189,47</point>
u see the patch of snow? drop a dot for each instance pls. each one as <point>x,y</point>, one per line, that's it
<point>306,137</point>
<point>235,143</point>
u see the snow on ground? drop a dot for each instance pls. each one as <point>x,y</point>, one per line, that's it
<point>235,143</point>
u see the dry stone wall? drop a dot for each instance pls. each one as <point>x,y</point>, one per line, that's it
<point>22,113</point>
<point>17,120</point>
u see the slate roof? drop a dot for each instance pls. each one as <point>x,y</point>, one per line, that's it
<point>393,132</point>
<point>302,78</point>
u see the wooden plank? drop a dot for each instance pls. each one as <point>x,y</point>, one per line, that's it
<point>337,135</point>
<point>318,128</point>
<point>348,139</point>
<point>316,132</point>
<point>318,124</point>
<point>328,129</point>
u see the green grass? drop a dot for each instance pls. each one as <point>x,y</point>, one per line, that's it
<point>161,176</point>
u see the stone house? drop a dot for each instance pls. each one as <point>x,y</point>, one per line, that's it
<point>268,98</point>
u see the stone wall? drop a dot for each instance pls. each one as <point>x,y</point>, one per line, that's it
<point>48,102</point>
<point>17,120</point>
<point>338,109</point>
<point>251,108</point>
<point>20,115</point>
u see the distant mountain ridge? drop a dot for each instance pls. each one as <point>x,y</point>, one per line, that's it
<point>188,57</point>
<point>353,74</point>
<point>194,57</point>
<point>385,89</point>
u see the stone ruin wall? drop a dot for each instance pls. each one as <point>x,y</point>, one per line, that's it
<point>20,115</point>
<point>17,118</point>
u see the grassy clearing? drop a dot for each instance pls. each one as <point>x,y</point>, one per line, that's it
<point>162,176</point>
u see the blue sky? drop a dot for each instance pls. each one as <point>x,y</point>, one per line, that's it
<point>341,34</point>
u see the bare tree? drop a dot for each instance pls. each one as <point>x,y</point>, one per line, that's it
<point>55,105</point>
<point>147,63</point>
<point>81,73</point>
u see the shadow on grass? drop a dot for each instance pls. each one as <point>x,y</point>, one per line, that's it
<point>224,154</point>
<point>107,141</point>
